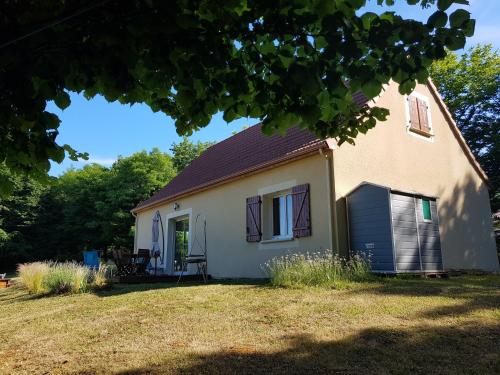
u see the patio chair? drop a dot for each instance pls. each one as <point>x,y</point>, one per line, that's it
<point>199,258</point>
<point>142,260</point>
<point>124,260</point>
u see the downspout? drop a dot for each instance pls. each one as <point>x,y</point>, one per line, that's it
<point>330,188</point>
<point>135,231</point>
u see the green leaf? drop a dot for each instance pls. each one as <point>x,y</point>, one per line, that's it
<point>437,19</point>
<point>407,87</point>
<point>468,27</point>
<point>371,88</point>
<point>455,42</point>
<point>458,18</point>
<point>444,4</point>
<point>62,99</point>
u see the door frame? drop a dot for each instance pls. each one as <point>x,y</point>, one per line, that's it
<point>171,218</point>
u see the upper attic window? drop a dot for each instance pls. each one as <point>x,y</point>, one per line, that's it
<point>418,114</point>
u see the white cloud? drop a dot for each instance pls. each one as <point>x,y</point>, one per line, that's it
<point>98,160</point>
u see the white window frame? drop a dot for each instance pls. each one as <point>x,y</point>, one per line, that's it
<point>270,243</point>
<point>288,236</point>
<point>429,138</point>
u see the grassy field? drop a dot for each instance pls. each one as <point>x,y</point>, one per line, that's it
<point>389,326</point>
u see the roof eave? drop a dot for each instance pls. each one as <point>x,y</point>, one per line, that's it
<point>300,154</point>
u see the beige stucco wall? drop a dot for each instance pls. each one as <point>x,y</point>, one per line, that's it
<point>388,155</point>
<point>229,255</point>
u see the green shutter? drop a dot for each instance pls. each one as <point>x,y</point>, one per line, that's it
<point>426,209</point>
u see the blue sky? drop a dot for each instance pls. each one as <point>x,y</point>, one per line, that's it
<point>107,130</point>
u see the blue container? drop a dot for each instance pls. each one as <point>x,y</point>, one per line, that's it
<point>91,258</point>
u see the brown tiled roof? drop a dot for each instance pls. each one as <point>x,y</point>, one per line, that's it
<point>242,153</point>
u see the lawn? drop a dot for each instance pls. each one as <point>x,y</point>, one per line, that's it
<point>388,326</point>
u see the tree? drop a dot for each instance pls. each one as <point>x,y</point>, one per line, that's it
<point>90,207</point>
<point>82,209</point>
<point>295,62</point>
<point>186,151</point>
<point>18,213</point>
<point>470,86</point>
<point>132,180</point>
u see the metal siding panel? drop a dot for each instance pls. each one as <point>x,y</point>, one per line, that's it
<point>369,223</point>
<point>430,242</point>
<point>405,233</point>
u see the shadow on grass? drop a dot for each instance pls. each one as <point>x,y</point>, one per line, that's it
<point>124,288</point>
<point>16,293</point>
<point>466,349</point>
<point>473,292</point>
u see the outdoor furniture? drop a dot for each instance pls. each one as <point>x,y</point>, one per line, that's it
<point>199,258</point>
<point>142,260</point>
<point>91,258</point>
<point>128,263</point>
<point>124,260</point>
<point>4,282</point>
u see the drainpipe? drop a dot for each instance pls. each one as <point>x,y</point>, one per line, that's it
<point>135,231</point>
<point>327,153</point>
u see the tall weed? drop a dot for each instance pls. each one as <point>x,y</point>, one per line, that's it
<point>324,269</point>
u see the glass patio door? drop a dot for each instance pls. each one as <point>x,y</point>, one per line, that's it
<point>181,241</point>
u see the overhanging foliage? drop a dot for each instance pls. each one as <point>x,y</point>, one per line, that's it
<point>284,62</point>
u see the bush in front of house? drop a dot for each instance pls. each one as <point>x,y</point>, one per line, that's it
<point>60,278</point>
<point>324,269</point>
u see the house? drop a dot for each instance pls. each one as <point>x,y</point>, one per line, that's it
<point>264,197</point>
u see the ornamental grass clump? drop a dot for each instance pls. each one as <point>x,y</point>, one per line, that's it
<point>67,277</point>
<point>61,278</point>
<point>324,269</point>
<point>32,275</point>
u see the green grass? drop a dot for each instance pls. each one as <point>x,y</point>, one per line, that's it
<point>387,326</point>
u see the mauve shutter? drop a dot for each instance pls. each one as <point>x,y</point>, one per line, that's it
<point>254,233</point>
<point>301,211</point>
<point>414,118</point>
<point>422,115</point>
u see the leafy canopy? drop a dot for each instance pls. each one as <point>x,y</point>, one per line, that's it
<point>470,86</point>
<point>284,62</point>
<point>83,208</point>
<point>186,151</point>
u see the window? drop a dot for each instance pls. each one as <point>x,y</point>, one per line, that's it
<point>418,115</point>
<point>282,216</point>
<point>279,213</point>
<point>426,209</point>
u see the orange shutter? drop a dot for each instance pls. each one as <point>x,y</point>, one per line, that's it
<point>414,119</point>
<point>422,114</point>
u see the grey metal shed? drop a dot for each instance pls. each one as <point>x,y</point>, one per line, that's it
<point>399,230</point>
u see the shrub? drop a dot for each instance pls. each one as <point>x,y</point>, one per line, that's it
<point>66,278</point>
<point>32,275</point>
<point>317,269</point>
<point>58,278</point>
